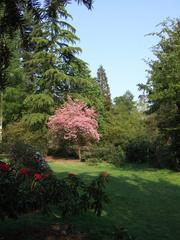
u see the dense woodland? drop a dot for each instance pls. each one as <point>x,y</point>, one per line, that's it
<point>51,106</point>
<point>40,69</point>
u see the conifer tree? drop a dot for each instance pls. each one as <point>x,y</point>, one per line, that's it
<point>13,17</point>
<point>52,68</point>
<point>51,63</point>
<point>104,86</point>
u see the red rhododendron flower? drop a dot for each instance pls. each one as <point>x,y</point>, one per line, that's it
<point>71,174</point>
<point>5,167</point>
<point>105,174</point>
<point>38,176</point>
<point>24,171</point>
<point>46,175</point>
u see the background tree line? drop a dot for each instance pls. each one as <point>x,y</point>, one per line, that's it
<point>40,67</point>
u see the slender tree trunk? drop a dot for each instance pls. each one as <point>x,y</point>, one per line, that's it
<point>79,153</point>
<point>1,114</point>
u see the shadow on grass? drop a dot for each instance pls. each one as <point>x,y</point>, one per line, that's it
<point>149,209</point>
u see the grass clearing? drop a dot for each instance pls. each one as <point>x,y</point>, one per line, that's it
<point>143,200</point>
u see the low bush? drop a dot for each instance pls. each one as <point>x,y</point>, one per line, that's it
<point>24,155</point>
<point>109,153</point>
<point>62,149</point>
<point>139,150</point>
<point>20,132</point>
<point>28,184</point>
<point>157,153</point>
<point>164,157</point>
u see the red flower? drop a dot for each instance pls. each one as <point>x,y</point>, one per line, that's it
<point>105,174</point>
<point>38,177</point>
<point>71,174</point>
<point>46,175</point>
<point>24,171</point>
<point>5,167</point>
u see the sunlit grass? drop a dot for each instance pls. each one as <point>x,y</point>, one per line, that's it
<point>143,200</point>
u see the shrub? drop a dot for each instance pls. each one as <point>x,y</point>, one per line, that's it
<point>139,150</point>
<point>109,153</point>
<point>24,155</point>
<point>164,157</point>
<point>28,184</point>
<point>158,153</point>
<point>20,132</point>
<point>62,149</point>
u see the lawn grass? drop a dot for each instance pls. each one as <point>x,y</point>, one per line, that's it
<point>143,200</point>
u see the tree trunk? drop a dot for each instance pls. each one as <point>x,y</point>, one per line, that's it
<point>79,153</point>
<point>1,114</point>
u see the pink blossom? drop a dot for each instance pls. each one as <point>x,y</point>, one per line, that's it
<point>75,122</point>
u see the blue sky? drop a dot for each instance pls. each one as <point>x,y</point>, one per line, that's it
<point>113,34</point>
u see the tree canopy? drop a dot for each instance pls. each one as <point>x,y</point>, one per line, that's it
<point>15,16</point>
<point>163,86</point>
<point>75,122</point>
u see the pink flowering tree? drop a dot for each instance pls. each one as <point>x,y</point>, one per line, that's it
<point>76,123</point>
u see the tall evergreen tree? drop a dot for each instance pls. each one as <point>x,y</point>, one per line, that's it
<point>13,17</point>
<point>104,86</point>
<point>163,86</point>
<point>52,71</point>
<point>51,62</point>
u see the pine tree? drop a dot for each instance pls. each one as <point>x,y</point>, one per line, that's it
<point>104,86</point>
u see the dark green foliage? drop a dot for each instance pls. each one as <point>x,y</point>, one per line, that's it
<point>50,63</point>
<point>8,194</point>
<point>4,63</point>
<point>40,78</point>
<point>95,191</point>
<point>91,95</point>
<point>155,153</point>
<point>13,17</point>
<point>121,233</point>
<point>164,157</point>
<point>20,131</point>
<point>12,104</point>
<point>24,155</point>
<point>62,149</point>
<point>38,108</point>
<point>34,187</point>
<point>105,152</point>
<point>124,122</point>
<point>104,86</point>
<point>162,87</point>
<point>139,150</point>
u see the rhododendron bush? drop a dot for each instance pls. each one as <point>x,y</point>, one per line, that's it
<point>28,184</point>
<point>76,123</point>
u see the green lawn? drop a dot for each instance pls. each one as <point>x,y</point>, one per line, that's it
<point>145,201</point>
